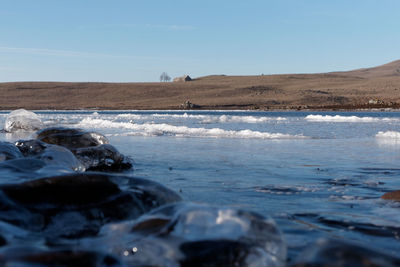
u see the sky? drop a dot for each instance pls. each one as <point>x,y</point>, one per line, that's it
<point>135,41</point>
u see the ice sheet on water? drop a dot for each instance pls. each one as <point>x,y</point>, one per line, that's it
<point>161,129</point>
<point>22,120</point>
<point>388,138</point>
<point>339,118</point>
<point>389,135</point>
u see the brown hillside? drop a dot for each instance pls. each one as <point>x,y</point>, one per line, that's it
<point>388,70</point>
<point>347,90</point>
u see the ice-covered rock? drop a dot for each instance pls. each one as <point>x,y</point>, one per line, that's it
<point>50,154</point>
<point>102,158</point>
<point>71,138</point>
<point>22,120</point>
<point>92,149</point>
<point>186,234</point>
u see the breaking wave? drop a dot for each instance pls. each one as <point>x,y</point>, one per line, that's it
<point>338,118</point>
<point>242,119</point>
<point>204,118</point>
<point>163,129</point>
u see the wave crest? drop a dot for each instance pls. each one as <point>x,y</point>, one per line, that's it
<point>338,118</point>
<point>163,129</point>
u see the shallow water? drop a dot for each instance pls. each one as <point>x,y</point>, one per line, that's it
<point>318,174</point>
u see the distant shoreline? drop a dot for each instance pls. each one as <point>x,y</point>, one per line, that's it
<point>364,89</point>
<point>338,109</point>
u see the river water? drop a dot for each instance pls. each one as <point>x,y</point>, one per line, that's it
<point>317,174</point>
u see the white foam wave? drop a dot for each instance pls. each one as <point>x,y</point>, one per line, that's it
<point>161,129</point>
<point>389,135</point>
<point>240,119</point>
<point>338,118</point>
<point>203,118</point>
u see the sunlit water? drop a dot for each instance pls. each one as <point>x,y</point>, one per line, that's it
<point>318,174</point>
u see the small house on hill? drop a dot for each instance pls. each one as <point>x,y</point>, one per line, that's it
<point>185,78</point>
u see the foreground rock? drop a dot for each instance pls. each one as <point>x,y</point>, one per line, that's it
<point>196,235</point>
<point>77,205</point>
<point>22,120</point>
<point>394,195</point>
<point>332,253</point>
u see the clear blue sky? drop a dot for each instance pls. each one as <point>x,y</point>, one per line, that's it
<point>129,40</point>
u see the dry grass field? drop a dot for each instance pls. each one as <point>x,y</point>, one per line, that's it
<point>377,87</point>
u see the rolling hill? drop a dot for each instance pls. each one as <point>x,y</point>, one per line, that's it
<point>377,87</point>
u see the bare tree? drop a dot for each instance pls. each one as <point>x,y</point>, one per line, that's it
<point>164,77</point>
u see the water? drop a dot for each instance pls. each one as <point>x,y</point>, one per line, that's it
<point>318,174</point>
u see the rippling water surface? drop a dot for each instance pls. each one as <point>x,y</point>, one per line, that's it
<point>318,174</point>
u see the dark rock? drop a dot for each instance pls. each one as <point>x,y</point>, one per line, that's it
<point>31,148</point>
<point>9,151</point>
<point>32,257</point>
<point>214,253</point>
<point>189,105</point>
<point>71,138</point>
<point>394,195</point>
<point>78,205</point>
<point>333,253</point>
<point>102,158</point>
<point>197,235</point>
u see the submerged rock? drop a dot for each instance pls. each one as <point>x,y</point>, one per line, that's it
<point>197,235</point>
<point>394,195</point>
<point>71,138</point>
<point>333,253</point>
<point>9,151</point>
<point>22,120</point>
<point>102,158</point>
<point>78,205</point>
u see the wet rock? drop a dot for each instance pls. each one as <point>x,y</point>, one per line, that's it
<point>394,195</point>
<point>22,120</point>
<point>33,257</point>
<point>350,224</point>
<point>332,253</point>
<point>77,205</point>
<point>71,138</point>
<point>102,158</point>
<point>50,154</point>
<point>197,235</point>
<point>9,151</point>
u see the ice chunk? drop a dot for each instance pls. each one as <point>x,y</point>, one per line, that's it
<point>22,120</point>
